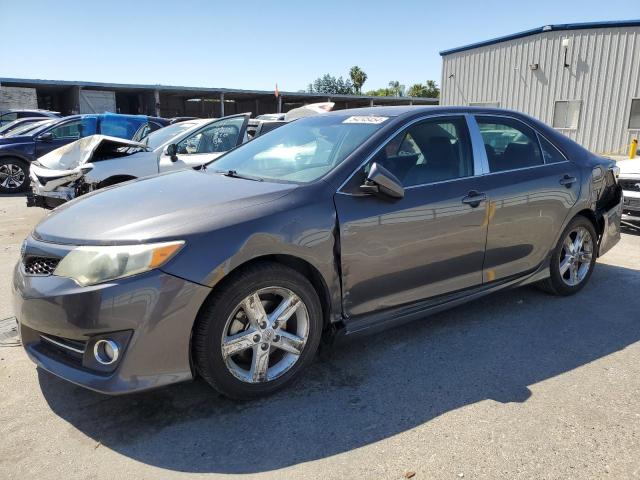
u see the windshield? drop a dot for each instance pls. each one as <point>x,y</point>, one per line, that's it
<point>301,151</point>
<point>163,135</point>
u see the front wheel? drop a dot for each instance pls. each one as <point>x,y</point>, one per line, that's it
<point>258,332</point>
<point>14,175</point>
<point>573,259</point>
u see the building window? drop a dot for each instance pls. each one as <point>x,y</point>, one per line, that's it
<point>566,114</point>
<point>485,104</point>
<point>634,116</point>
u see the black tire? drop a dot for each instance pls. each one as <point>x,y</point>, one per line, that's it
<point>11,171</point>
<point>212,320</point>
<point>555,284</point>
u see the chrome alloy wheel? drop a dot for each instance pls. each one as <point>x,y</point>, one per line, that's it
<point>576,256</point>
<point>265,335</point>
<point>12,176</point>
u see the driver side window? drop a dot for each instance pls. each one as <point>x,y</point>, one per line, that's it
<point>75,129</point>
<point>219,137</point>
<point>427,152</point>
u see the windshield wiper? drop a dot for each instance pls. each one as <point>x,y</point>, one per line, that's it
<point>234,174</point>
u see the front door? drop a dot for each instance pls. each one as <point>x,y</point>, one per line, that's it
<point>207,144</point>
<point>531,187</point>
<point>429,243</point>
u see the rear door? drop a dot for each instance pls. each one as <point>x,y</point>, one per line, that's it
<point>531,187</point>
<point>429,243</point>
<point>207,143</point>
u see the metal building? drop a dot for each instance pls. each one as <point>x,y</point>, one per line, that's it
<point>582,78</point>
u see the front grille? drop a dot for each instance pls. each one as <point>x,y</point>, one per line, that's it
<point>41,266</point>
<point>630,185</point>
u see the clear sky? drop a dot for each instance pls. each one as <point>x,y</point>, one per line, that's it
<point>256,44</point>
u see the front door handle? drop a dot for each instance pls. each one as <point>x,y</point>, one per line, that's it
<point>473,199</point>
<point>568,180</point>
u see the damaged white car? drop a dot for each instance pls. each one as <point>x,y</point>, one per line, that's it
<point>98,161</point>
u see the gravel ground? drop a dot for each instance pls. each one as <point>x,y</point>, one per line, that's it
<point>517,385</point>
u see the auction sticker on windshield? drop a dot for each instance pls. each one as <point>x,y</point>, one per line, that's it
<point>366,119</point>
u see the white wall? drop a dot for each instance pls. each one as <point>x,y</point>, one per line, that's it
<point>603,72</point>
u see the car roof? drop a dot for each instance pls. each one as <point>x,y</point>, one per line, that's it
<point>401,110</point>
<point>34,110</point>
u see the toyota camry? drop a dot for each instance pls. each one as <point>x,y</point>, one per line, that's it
<point>331,225</point>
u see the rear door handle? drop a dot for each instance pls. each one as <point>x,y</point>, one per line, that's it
<point>474,198</point>
<point>568,180</point>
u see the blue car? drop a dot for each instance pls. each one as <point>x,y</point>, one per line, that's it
<point>17,152</point>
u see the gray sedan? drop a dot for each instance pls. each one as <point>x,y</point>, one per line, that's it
<point>331,225</point>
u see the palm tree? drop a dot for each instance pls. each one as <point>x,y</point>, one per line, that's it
<point>358,77</point>
<point>396,89</point>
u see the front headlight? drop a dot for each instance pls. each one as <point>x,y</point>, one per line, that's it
<point>91,265</point>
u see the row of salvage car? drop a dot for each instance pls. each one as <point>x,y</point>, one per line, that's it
<point>64,159</point>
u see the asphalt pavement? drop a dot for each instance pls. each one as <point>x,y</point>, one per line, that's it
<point>518,385</point>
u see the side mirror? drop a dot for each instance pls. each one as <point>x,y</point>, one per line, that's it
<point>381,181</point>
<point>46,137</point>
<point>171,151</point>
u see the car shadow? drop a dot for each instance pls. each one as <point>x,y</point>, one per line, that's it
<point>369,388</point>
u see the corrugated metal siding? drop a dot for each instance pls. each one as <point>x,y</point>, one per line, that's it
<point>603,73</point>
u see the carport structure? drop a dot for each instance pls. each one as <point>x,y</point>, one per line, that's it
<point>172,101</point>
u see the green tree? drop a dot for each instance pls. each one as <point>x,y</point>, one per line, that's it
<point>397,90</point>
<point>330,84</point>
<point>358,77</point>
<point>429,90</point>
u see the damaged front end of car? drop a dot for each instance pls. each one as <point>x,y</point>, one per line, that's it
<point>61,175</point>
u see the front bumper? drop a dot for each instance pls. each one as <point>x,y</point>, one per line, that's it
<point>151,315</point>
<point>50,191</point>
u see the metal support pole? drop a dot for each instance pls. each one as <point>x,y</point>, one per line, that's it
<point>279,104</point>
<point>156,101</point>
<point>371,102</point>
<point>222,104</point>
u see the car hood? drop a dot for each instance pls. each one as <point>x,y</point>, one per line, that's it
<point>81,151</point>
<point>168,206</point>
<point>629,167</point>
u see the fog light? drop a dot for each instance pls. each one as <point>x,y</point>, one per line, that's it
<point>106,351</point>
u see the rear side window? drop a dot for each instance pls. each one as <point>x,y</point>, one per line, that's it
<point>509,144</point>
<point>121,127</point>
<point>550,153</point>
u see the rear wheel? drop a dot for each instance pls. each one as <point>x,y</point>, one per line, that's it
<point>573,259</point>
<point>14,175</point>
<point>258,332</point>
